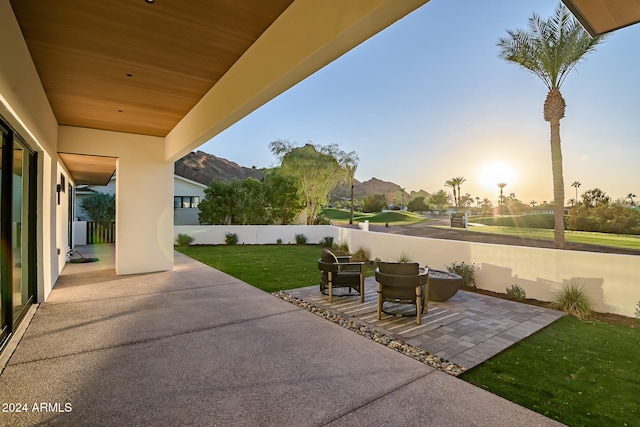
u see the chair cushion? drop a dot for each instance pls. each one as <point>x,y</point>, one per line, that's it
<point>399,268</point>
<point>328,257</point>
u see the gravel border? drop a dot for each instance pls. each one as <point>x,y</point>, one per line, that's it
<point>379,337</point>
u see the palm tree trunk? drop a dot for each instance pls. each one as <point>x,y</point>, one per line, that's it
<point>351,210</point>
<point>558,184</point>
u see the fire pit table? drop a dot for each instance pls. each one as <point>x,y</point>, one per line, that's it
<point>443,285</point>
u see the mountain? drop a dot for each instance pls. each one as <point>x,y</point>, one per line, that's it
<point>203,167</point>
<point>376,186</point>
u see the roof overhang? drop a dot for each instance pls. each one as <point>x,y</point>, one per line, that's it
<point>602,16</point>
<point>182,71</point>
<point>89,170</point>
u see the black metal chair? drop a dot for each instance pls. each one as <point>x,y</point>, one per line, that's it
<point>342,273</point>
<point>402,283</point>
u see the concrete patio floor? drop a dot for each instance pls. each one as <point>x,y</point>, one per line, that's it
<point>466,330</point>
<point>194,346</point>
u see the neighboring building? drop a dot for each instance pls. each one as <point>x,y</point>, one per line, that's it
<point>187,195</point>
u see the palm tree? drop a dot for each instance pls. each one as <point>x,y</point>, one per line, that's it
<point>631,196</point>
<point>350,162</point>
<point>459,180</point>
<point>452,183</point>
<point>501,199</point>
<point>550,50</point>
<point>576,184</point>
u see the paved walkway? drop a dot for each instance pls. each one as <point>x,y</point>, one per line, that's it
<point>466,330</point>
<point>194,346</point>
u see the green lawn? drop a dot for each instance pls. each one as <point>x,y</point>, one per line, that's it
<point>268,267</point>
<point>579,373</point>
<point>391,217</point>
<point>628,241</point>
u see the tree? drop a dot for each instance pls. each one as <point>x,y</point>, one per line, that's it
<point>374,203</point>
<point>350,163</point>
<point>630,197</point>
<point>252,202</point>
<point>501,198</point>
<point>550,50</point>
<point>440,199</point>
<point>454,183</point>
<point>451,183</point>
<point>576,184</point>
<point>220,203</point>
<point>101,207</point>
<point>316,169</point>
<point>594,198</point>
<point>417,205</point>
<point>283,197</point>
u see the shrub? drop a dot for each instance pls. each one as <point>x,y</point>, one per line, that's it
<point>301,239</point>
<point>574,300</point>
<point>637,313</point>
<point>326,242</point>
<point>341,249</point>
<point>376,261</point>
<point>184,240</point>
<point>466,271</point>
<point>361,254</point>
<point>321,220</point>
<point>279,241</point>
<point>404,257</point>
<point>231,238</point>
<point>515,292</point>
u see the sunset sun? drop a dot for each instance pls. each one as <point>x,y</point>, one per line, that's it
<point>495,172</point>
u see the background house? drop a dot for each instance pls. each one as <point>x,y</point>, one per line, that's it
<point>187,195</point>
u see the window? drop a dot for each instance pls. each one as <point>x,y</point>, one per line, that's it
<point>186,201</point>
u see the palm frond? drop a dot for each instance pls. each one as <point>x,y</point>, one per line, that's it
<point>551,48</point>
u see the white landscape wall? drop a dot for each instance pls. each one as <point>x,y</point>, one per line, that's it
<point>255,234</point>
<point>612,280</point>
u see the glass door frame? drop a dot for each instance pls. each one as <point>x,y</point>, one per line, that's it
<point>9,320</point>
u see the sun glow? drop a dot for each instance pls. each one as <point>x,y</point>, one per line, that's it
<point>496,172</point>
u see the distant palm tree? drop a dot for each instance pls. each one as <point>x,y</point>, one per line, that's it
<point>501,199</point>
<point>452,183</point>
<point>459,180</point>
<point>550,50</point>
<point>630,196</point>
<point>533,203</point>
<point>576,184</point>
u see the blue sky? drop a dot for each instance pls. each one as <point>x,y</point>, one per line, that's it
<point>429,99</point>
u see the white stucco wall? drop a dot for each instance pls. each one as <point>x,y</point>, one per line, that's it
<point>144,218</point>
<point>24,105</point>
<point>255,234</point>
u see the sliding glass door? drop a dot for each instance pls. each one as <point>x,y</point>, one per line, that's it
<point>17,230</point>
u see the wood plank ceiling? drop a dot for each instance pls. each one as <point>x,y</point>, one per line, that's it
<point>602,16</point>
<point>134,66</point>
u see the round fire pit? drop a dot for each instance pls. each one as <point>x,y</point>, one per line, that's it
<point>443,285</point>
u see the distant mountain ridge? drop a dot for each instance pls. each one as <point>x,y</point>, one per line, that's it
<point>204,168</point>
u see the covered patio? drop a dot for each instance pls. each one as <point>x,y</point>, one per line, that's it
<point>196,346</point>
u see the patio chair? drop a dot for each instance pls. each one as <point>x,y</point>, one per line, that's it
<point>341,273</point>
<point>401,283</point>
